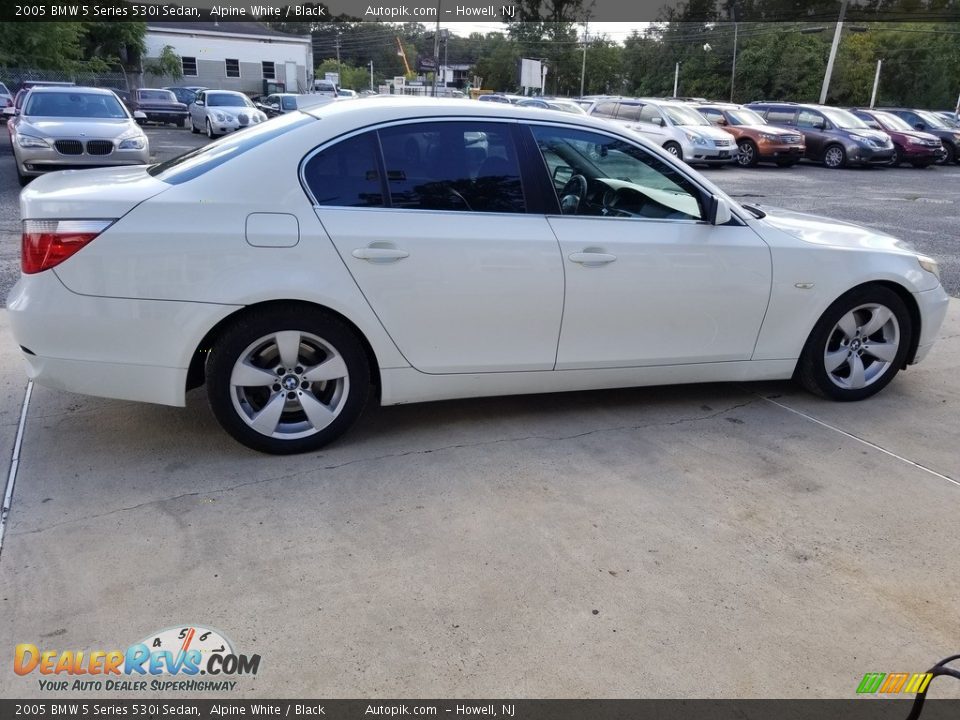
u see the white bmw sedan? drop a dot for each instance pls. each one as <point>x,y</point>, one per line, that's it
<point>414,250</point>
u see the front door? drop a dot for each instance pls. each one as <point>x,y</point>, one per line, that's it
<point>648,280</point>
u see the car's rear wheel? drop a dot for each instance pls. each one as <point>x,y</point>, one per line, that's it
<point>674,149</point>
<point>210,133</point>
<point>747,154</point>
<point>858,345</point>
<point>835,157</point>
<point>951,154</point>
<point>287,380</point>
<point>898,157</point>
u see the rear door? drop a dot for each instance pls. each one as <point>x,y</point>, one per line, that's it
<point>814,126</point>
<point>436,233</point>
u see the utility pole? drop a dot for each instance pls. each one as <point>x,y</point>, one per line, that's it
<point>833,53</point>
<point>583,67</point>
<point>339,70</point>
<point>876,83</point>
<point>371,76</point>
<point>733,71</point>
<point>436,51</point>
<point>676,79</point>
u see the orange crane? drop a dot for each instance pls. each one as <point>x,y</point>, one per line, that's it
<point>403,54</point>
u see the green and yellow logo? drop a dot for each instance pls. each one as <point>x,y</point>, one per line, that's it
<point>892,683</point>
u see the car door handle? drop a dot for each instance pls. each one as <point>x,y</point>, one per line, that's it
<point>591,258</point>
<point>380,254</point>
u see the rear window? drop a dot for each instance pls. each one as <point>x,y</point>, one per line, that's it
<point>202,160</point>
<point>160,95</point>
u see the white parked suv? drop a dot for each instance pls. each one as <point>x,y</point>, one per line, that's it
<point>674,126</point>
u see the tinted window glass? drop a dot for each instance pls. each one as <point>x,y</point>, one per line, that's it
<point>288,103</point>
<point>629,112</point>
<point>810,119</point>
<point>346,174</point>
<point>649,114</point>
<point>452,166</point>
<point>193,164</point>
<point>623,180</point>
<point>781,117</point>
<point>711,114</point>
<point>605,109</point>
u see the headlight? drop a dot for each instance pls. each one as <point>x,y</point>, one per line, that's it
<point>262,116</point>
<point>768,136</point>
<point>29,141</point>
<point>929,264</point>
<point>694,138</point>
<point>863,140</point>
<point>219,117</point>
<point>138,142</point>
<point>915,141</point>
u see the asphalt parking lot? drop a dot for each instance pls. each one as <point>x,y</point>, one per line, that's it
<point>698,541</point>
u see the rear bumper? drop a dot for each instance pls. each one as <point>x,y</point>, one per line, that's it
<point>110,347</point>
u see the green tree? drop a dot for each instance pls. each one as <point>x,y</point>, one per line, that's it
<point>42,45</point>
<point>168,64</point>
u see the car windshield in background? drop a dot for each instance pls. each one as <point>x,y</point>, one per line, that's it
<point>844,119</point>
<point>225,100</point>
<point>684,116</point>
<point>932,120</point>
<point>892,121</point>
<point>74,105</point>
<point>566,107</point>
<point>193,164</point>
<point>161,95</point>
<point>745,117</point>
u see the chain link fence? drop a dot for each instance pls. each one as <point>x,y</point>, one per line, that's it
<point>14,78</point>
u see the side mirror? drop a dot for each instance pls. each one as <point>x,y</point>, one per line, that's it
<point>198,103</point>
<point>719,211</point>
<point>658,121</point>
<point>139,115</point>
<point>721,121</point>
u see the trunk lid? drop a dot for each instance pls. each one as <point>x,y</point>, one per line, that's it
<point>108,193</point>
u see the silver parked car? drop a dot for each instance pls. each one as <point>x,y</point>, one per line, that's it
<point>218,112</point>
<point>73,128</point>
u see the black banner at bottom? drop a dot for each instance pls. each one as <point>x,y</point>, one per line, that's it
<point>854,709</point>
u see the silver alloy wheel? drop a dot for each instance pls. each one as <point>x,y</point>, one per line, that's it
<point>673,150</point>
<point>833,158</point>
<point>289,384</point>
<point>210,130</point>
<point>745,154</point>
<point>862,346</point>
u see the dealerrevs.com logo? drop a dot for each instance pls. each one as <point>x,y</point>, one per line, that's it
<point>185,652</point>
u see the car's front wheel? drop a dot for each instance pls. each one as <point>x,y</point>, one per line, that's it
<point>193,126</point>
<point>287,380</point>
<point>674,149</point>
<point>747,154</point>
<point>835,157</point>
<point>210,133</point>
<point>858,345</point>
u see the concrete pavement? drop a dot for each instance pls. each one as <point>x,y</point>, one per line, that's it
<point>697,541</point>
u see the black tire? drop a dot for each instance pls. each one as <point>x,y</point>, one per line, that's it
<point>674,149</point>
<point>833,159</point>
<point>258,324</point>
<point>951,154</point>
<point>747,153</point>
<point>21,178</point>
<point>811,370</point>
<point>898,158</point>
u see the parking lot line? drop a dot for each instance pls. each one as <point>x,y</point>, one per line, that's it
<point>14,463</point>
<point>908,461</point>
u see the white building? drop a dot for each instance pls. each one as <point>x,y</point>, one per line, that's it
<point>233,55</point>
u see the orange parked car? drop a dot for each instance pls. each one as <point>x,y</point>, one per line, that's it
<point>757,141</point>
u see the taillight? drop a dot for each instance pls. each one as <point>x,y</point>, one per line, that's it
<point>47,243</point>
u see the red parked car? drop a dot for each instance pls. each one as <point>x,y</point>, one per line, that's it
<point>920,149</point>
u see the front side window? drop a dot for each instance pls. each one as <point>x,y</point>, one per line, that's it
<point>189,66</point>
<point>346,174</point>
<point>810,119</point>
<point>459,166</point>
<point>269,73</point>
<point>599,175</point>
<point>651,115</point>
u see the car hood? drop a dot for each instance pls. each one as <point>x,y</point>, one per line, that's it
<point>101,128</point>
<point>877,135</point>
<point>820,230</point>
<point>107,193</point>
<point>714,133</point>
<point>774,130</point>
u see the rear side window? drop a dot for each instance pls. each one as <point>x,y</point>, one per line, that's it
<point>288,103</point>
<point>631,113</point>
<point>459,166</point>
<point>605,109</point>
<point>781,117</point>
<point>346,174</point>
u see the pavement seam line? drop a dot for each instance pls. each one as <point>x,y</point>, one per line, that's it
<point>14,463</point>
<point>892,454</point>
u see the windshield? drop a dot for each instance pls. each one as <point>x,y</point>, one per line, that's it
<point>74,105</point>
<point>567,107</point>
<point>932,120</point>
<point>227,100</point>
<point>193,164</point>
<point>683,115</point>
<point>892,121</point>
<point>744,117</point>
<point>161,95</point>
<point>843,119</point>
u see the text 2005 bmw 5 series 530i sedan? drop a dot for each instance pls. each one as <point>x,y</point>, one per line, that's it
<point>441,249</point>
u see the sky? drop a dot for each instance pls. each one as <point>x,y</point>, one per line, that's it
<point>616,31</point>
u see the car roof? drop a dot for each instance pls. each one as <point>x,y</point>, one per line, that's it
<point>46,89</point>
<point>399,107</point>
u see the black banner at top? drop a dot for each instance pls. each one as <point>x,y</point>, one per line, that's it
<point>450,11</point>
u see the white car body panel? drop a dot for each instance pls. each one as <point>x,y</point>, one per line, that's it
<point>477,312</point>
